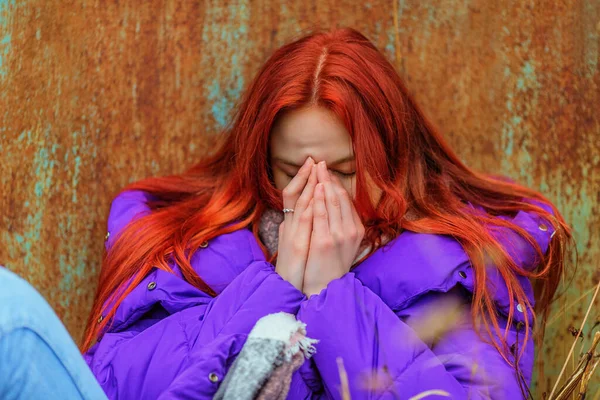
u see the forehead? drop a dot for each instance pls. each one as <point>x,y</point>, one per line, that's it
<point>314,131</point>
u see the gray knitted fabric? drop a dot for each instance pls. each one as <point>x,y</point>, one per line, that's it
<point>276,340</point>
<point>251,369</point>
<point>268,229</point>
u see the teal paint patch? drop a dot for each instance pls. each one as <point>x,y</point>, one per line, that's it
<point>31,234</point>
<point>591,42</point>
<point>390,47</point>
<point>389,40</point>
<point>5,37</point>
<point>579,213</point>
<point>528,75</point>
<point>517,162</point>
<point>75,260</point>
<point>25,243</point>
<point>291,22</point>
<point>81,150</point>
<point>76,167</point>
<point>44,165</point>
<point>229,30</point>
<point>72,271</point>
<point>221,106</point>
<point>75,179</point>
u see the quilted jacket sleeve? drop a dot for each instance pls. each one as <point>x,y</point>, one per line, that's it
<point>169,339</point>
<point>257,292</point>
<point>384,357</point>
<point>186,354</point>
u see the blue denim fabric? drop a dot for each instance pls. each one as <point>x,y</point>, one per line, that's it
<point>38,358</point>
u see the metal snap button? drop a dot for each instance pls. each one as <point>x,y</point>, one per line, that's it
<point>151,285</point>
<point>520,307</point>
<point>204,244</point>
<point>214,378</point>
<point>462,274</point>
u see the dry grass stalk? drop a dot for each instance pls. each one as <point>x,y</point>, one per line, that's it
<point>442,316</point>
<point>590,368</point>
<point>557,317</point>
<point>345,389</point>
<point>426,393</point>
<point>581,375</point>
<point>569,381</point>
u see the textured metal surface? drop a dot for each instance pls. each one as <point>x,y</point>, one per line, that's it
<point>95,94</point>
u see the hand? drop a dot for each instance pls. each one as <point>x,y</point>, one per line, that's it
<point>295,230</point>
<point>336,236</point>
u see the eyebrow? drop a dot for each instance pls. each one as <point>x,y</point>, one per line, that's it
<point>340,161</point>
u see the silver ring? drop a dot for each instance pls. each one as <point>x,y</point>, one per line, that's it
<point>287,210</point>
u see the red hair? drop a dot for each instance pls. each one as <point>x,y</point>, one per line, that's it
<point>393,141</point>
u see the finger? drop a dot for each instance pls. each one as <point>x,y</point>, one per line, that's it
<point>281,231</point>
<point>322,173</point>
<point>346,204</point>
<point>293,189</point>
<point>333,216</point>
<point>334,212</point>
<point>320,223</point>
<point>305,225</point>
<point>349,211</point>
<point>308,192</point>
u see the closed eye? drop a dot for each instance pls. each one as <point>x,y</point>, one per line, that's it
<point>342,174</point>
<point>345,175</point>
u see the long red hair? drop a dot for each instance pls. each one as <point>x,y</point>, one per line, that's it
<point>393,140</point>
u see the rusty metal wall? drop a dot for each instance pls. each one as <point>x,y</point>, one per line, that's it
<point>95,94</point>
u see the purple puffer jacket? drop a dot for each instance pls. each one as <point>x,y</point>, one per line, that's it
<point>170,340</point>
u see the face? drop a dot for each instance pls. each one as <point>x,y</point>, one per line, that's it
<point>318,133</point>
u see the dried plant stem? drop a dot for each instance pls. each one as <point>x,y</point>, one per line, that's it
<point>587,313</point>
<point>581,375</point>
<point>559,314</point>
<point>345,389</point>
<point>590,368</point>
<point>434,392</point>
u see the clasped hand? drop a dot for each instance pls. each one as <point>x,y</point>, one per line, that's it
<point>318,241</point>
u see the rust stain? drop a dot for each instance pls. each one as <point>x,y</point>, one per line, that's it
<point>96,94</point>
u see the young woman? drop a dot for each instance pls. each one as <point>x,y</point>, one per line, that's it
<point>331,197</point>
